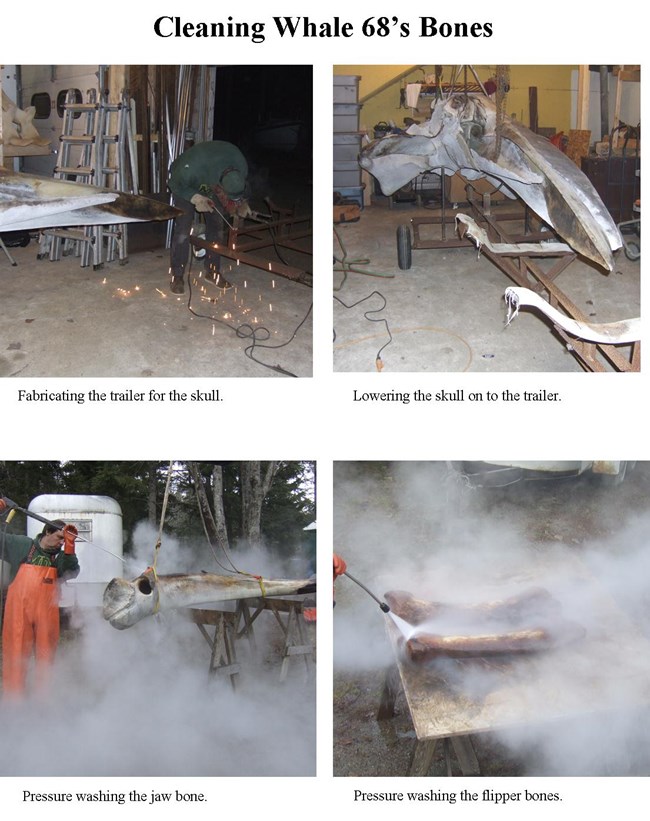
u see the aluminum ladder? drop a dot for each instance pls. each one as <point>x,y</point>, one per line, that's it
<point>102,155</point>
<point>75,164</point>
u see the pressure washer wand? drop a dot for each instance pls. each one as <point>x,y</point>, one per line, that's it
<point>13,506</point>
<point>382,604</point>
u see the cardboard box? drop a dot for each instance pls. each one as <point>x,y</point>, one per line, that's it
<point>455,188</point>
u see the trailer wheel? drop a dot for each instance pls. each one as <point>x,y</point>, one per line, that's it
<point>632,250</point>
<point>404,247</point>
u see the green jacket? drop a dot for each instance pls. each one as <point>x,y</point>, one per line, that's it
<point>202,166</point>
<point>16,551</point>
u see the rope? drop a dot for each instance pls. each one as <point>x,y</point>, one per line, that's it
<point>158,545</point>
<point>235,569</point>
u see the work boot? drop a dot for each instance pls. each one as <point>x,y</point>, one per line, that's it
<point>177,285</point>
<point>218,278</point>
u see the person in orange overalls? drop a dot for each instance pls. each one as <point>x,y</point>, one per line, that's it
<point>31,617</point>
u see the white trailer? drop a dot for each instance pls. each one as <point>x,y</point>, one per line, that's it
<point>100,548</point>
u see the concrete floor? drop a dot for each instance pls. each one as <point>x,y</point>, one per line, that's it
<point>60,319</point>
<point>447,312</point>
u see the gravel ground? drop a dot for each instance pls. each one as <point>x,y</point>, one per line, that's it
<point>393,521</point>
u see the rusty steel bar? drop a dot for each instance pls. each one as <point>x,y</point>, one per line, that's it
<point>526,273</point>
<point>271,266</point>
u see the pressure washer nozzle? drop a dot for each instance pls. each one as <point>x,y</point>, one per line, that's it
<point>384,607</point>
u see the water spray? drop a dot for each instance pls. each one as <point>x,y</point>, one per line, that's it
<point>382,604</point>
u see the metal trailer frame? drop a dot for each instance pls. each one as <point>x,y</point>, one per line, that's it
<point>522,269</point>
<point>283,231</point>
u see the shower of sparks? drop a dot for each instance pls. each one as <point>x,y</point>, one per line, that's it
<point>162,293</point>
<point>270,307</point>
<point>272,283</point>
<point>104,281</point>
<point>269,266</point>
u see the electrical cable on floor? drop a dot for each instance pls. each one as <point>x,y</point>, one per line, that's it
<point>351,265</point>
<point>348,266</point>
<point>432,328</point>
<point>258,335</point>
<point>379,364</point>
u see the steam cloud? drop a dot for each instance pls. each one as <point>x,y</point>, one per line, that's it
<point>441,541</point>
<point>139,702</point>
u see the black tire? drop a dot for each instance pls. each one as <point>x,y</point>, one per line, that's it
<point>632,250</point>
<point>404,247</point>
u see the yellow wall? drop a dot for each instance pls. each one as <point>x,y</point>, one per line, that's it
<point>553,91</point>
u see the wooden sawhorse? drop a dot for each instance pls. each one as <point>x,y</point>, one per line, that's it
<point>288,613</point>
<point>422,753</point>
<point>223,655</point>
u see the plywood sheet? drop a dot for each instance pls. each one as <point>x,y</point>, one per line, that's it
<point>608,670</point>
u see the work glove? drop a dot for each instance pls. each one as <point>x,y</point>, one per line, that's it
<point>244,209</point>
<point>202,204</point>
<point>309,610</point>
<point>339,566</point>
<point>339,569</point>
<point>70,534</point>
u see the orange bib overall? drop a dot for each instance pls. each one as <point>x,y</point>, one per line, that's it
<point>31,623</point>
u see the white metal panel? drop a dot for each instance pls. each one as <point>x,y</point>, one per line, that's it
<point>99,521</point>
<point>52,80</point>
